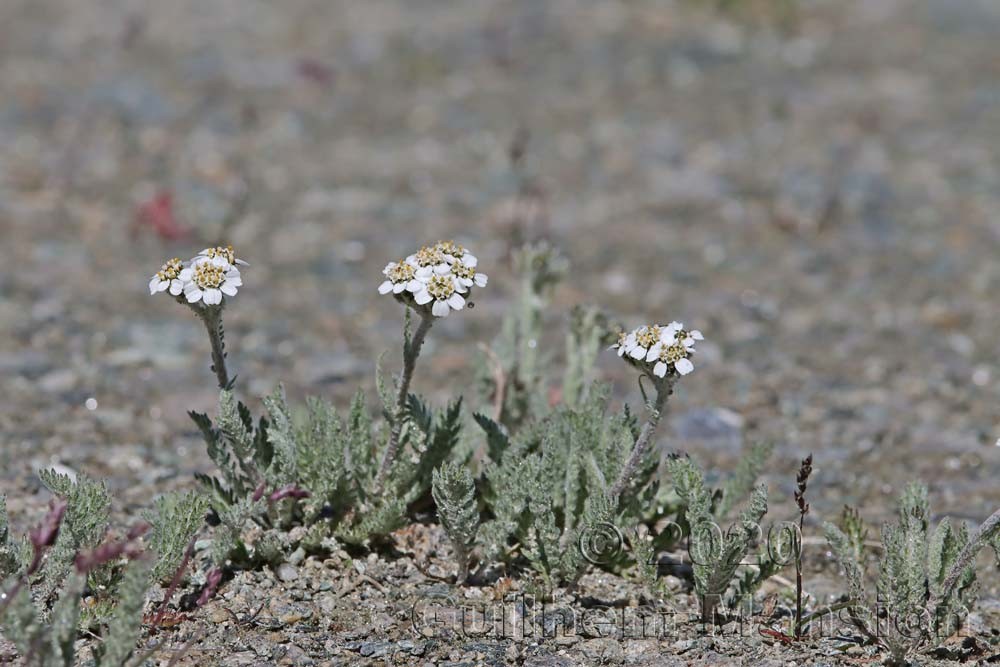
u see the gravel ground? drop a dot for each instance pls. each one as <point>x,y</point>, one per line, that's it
<point>820,199</point>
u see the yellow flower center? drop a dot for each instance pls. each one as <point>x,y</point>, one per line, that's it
<point>208,276</point>
<point>441,287</point>
<point>673,353</point>
<point>463,271</point>
<point>170,270</point>
<point>450,248</point>
<point>226,253</point>
<point>401,273</point>
<point>647,336</point>
<point>429,256</point>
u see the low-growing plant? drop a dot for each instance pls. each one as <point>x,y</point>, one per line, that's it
<point>856,530</point>
<point>87,520</point>
<point>723,573</point>
<point>455,497</point>
<point>926,582</point>
<point>12,552</point>
<point>317,472</point>
<point>644,551</point>
<point>556,478</point>
<point>42,617</point>
<point>310,479</point>
<point>73,552</point>
<point>175,519</point>
<point>548,487</point>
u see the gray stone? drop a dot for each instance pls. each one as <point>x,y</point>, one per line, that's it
<point>375,649</point>
<point>287,572</point>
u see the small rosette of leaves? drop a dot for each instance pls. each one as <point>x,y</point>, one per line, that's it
<point>915,565</point>
<point>454,493</point>
<point>315,469</point>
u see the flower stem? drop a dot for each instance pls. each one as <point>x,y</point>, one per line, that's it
<point>664,388</point>
<point>212,317</point>
<point>798,579</point>
<point>411,350</point>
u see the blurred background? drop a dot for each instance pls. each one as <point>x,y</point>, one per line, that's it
<point>814,185</point>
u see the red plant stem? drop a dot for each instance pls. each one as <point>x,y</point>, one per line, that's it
<point>175,581</point>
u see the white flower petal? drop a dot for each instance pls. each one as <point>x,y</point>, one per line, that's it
<point>399,288</point>
<point>186,274</point>
<point>422,297</point>
<point>480,279</point>
<point>176,287</point>
<point>637,352</point>
<point>470,260</point>
<point>415,285</point>
<point>697,335</point>
<point>660,369</point>
<point>385,287</point>
<point>242,263</point>
<point>442,269</point>
<point>153,285</point>
<point>683,366</point>
<point>213,296</point>
<point>456,301</point>
<point>193,296</point>
<point>654,351</point>
<point>668,334</point>
<point>440,309</point>
<point>228,288</point>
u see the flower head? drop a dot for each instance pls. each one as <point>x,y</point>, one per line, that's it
<point>466,275</point>
<point>443,291</point>
<point>435,278</point>
<point>223,257</point>
<point>168,277</point>
<point>428,256</point>
<point>207,280</point>
<point>659,350</point>
<point>451,249</point>
<point>398,276</point>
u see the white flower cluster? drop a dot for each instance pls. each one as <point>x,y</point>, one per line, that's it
<point>209,276</point>
<point>441,275</point>
<point>663,348</point>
